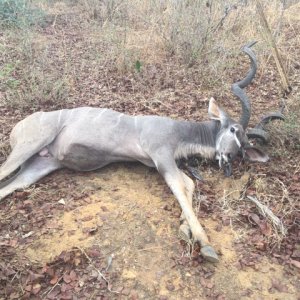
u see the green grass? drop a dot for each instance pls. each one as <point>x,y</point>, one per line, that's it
<point>7,80</point>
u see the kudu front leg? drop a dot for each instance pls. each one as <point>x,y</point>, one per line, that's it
<point>184,229</point>
<point>182,187</point>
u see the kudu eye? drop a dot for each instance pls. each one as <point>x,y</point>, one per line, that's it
<point>232,129</point>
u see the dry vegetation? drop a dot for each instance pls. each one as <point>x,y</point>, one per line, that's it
<point>160,57</point>
<point>76,52</point>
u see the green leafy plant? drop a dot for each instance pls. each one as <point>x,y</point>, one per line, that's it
<point>138,66</point>
<point>6,77</point>
<point>19,13</point>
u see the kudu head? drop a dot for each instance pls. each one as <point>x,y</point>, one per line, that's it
<point>232,138</point>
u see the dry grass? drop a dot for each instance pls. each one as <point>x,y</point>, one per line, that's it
<point>271,192</point>
<point>48,63</point>
<point>280,203</point>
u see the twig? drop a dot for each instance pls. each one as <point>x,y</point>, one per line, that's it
<point>266,212</point>
<point>109,262</point>
<point>19,282</point>
<point>98,271</point>
<point>227,11</point>
<point>55,285</point>
<point>54,22</point>
<point>212,29</point>
<point>16,274</point>
<point>279,25</point>
<point>269,37</point>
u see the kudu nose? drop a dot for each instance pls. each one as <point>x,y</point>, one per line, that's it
<point>226,157</point>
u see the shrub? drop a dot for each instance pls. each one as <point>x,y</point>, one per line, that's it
<point>18,13</point>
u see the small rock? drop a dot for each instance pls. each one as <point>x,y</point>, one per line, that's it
<point>104,208</point>
<point>81,283</point>
<point>167,207</point>
<point>36,288</point>
<point>27,235</point>
<point>61,201</point>
<point>89,230</point>
<point>170,286</point>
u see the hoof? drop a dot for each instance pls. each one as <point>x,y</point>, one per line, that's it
<point>185,232</point>
<point>209,254</point>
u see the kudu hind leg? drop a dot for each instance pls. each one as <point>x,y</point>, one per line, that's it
<point>31,171</point>
<point>27,138</point>
<point>179,187</point>
<point>19,155</point>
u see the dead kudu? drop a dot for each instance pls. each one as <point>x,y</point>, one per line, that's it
<point>88,138</point>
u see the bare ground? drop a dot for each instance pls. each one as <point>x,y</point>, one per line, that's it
<point>125,225</point>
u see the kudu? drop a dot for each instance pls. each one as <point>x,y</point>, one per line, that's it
<point>88,138</point>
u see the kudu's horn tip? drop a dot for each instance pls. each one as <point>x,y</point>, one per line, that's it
<point>250,44</point>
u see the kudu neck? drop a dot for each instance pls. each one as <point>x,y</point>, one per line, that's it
<point>197,138</point>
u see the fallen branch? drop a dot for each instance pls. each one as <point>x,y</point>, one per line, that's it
<point>266,212</point>
<point>270,40</point>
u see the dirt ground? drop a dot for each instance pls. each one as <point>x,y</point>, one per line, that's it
<point>128,222</point>
<point>113,233</point>
<point>136,221</point>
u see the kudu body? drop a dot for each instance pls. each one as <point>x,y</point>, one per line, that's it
<point>87,138</point>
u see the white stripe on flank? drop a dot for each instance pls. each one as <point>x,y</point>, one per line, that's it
<point>135,121</point>
<point>118,120</point>
<point>70,112</point>
<point>98,116</point>
<point>59,116</point>
<point>40,125</point>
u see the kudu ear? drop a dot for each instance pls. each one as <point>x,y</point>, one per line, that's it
<point>215,112</point>
<point>254,154</point>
